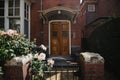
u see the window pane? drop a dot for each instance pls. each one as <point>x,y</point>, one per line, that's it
<point>1,7</point>
<point>17,3</point>
<point>26,28</point>
<point>17,12</point>
<point>10,12</point>
<point>1,23</point>
<point>10,3</point>
<point>14,24</point>
<point>91,8</point>
<point>27,14</point>
<point>1,12</point>
<point>1,4</point>
<point>54,34</point>
<point>64,33</point>
<point>25,6</point>
<point>14,7</point>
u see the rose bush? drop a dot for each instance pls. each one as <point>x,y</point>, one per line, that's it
<point>13,44</point>
<point>40,64</point>
<point>16,49</point>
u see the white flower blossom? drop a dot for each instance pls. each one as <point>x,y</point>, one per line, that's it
<point>42,56</point>
<point>11,32</point>
<point>36,55</point>
<point>43,47</point>
<point>50,62</point>
<point>3,33</point>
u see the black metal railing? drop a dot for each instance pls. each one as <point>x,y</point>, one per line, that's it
<point>70,72</point>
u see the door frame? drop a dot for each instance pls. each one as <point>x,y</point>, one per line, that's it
<point>69,33</point>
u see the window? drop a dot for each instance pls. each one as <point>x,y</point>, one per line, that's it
<point>81,1</point>
<point>1,14</point>
<point>54,34</point>
<point>91,8</point>
<point>14,23</point>
<point>1,23</point>
<point>26,21</point>
<point>14,11</point>
<point>1,7</point>
<point>26,11</point>
<point>64,33</point>
<point>14,8</point>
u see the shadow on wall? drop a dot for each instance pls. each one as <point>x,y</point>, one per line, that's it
<point>105,39</point>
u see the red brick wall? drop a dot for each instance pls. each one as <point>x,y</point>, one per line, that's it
<point>46,35</point>
<point>103,8</point>
<point>75,28</point>
<point>108,7</point>
<point>35,21</point>
<point>82,18</point>
<point>73,4</point>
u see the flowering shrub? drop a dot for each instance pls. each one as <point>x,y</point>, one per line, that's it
<point>13,44</point>
<point>15,48</point>
<point>40,65</point>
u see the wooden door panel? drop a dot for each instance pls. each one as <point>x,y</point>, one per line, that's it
<point>54,39</point>
<point>59,38</point>
<point>65,39</point>
<point>54,47</point>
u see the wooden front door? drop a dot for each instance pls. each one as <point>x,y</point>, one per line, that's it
<point>59,38</point>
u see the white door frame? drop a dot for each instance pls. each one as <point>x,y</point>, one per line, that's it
<point>69,33</point>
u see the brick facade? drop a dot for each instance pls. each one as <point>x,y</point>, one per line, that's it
<point>103,8</point>
<point>39,28</point>
<point>35,21</point>
<point>108,7</point>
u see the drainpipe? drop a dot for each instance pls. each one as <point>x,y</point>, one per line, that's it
<point>41,23</point>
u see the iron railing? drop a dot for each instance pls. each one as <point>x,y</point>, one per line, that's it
<point>69,72</point>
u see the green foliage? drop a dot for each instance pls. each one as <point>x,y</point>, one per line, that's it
<point>13,44</point>
<point>38,68</point>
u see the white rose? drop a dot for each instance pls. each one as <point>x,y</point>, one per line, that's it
<point>43,47</point>
<point>50,62</point>
<point>11,32</point>
<point>42,56</point>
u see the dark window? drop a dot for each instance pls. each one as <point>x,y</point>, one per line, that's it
<point>26,11</point>
<point>1,12</point>
<point>1,3</point>
<point>1,7</point>
<point>14,7</point>
<point>54,33</point>
<point>1,23</point>
<point>26,28</point>
<point>64,33</point>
